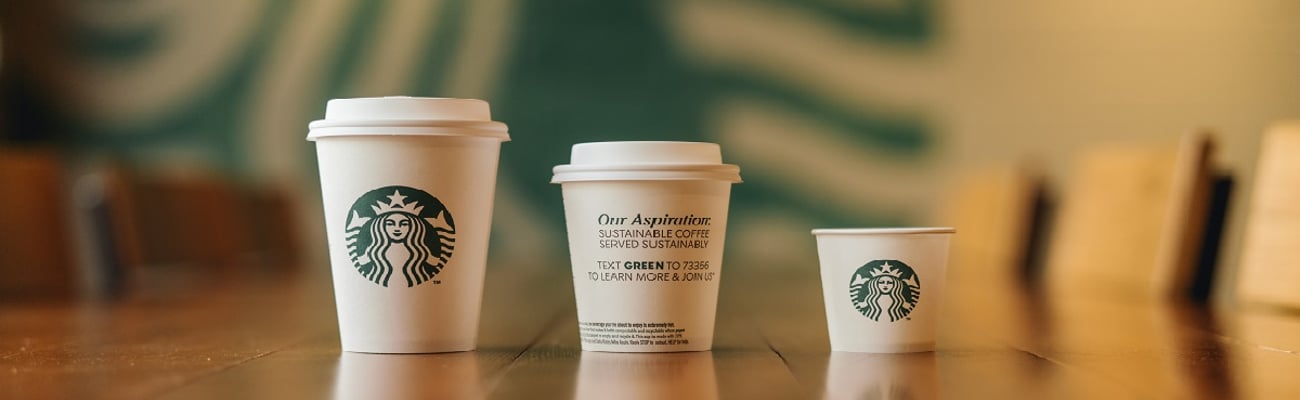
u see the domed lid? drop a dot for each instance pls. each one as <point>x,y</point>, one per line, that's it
<point>402,115</point>
<point>605,161</point>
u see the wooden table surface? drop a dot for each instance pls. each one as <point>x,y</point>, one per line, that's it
<point>275,337</point>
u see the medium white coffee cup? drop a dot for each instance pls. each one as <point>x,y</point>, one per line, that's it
<point>883,287</point>
<point>408,185</point>
<point>646,224</point>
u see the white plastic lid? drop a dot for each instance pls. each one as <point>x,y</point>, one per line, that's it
<point>884,231</point>
<point>614,161</point>
<point>402,115</point>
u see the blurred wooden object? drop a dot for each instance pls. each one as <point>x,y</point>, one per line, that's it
<point>1132,220</point>
<point>113,255</point>
<point>177,225</point>
<point>273,227</point>
<point>190,218</point>
<point>995,209</point>
<point>1216,219</point>
<point>37,252</point>
<point>1270,253</point>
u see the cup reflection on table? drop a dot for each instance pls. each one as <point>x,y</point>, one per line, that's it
<point>630,376</point>
<point>408,376</point>
<point>882,376</point>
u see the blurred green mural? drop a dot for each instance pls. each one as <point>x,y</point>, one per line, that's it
<point>232,84</point>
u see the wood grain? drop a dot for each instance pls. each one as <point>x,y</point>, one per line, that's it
<point>259,338</point>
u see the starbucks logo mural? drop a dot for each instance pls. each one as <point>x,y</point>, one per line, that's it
<point>885,290</point>
<point>399,228</point>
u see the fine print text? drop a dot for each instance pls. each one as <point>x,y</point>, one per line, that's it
<point>632,333</point>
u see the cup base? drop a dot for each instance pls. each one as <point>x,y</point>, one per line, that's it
<point>886,348</point>
<point>408,348</point>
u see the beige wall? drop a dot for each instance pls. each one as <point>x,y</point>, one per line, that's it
<point>1042,79</point>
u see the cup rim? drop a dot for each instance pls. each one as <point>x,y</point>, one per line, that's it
<point>320,129</point>
<point>885,231</point>
<point>646,172</point>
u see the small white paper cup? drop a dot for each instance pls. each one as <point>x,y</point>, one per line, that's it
<point>408,185</point>
<point>646,224</point>
<point>883,287</point>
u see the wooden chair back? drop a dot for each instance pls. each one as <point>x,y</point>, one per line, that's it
<point>995,211</point>
<point>37,248</point>
<point>177,227</point>
<point>190,218</point>
<point>274,227</point>
<point>1132,219</point>
<point>1270,250</point>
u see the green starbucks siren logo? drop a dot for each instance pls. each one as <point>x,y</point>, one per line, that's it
<point>885,290</point>
<point>399,228</point>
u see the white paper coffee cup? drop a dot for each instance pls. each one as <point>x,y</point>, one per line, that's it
<point>408,185</point>
<point>883,287</point>
<point>646,224</point>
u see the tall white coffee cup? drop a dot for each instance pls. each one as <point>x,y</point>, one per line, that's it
<point>646,224</point>
<point>408,185</point>
<point>883,287</point>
